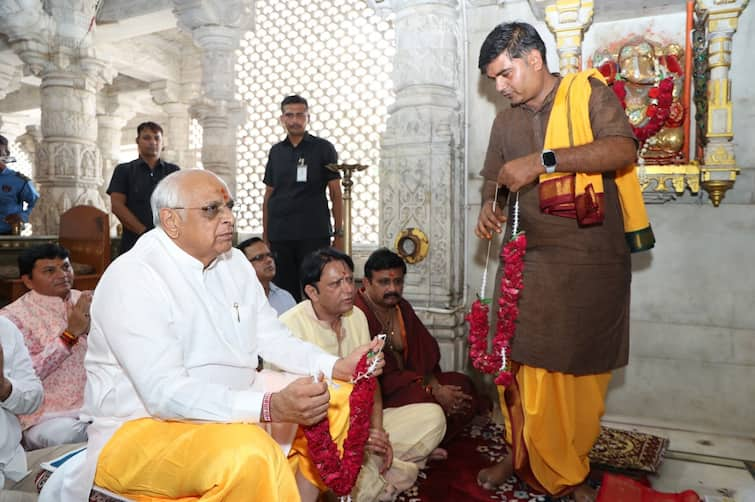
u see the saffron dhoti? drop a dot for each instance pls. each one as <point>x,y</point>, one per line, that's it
<point>554,420</point>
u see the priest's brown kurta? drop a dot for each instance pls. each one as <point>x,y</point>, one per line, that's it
<point>574,307</point>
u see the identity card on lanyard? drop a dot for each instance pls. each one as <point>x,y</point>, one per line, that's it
<point>301,171</point>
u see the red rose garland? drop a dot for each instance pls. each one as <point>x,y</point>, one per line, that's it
<point>661,97</point>
<point>499,361</point>
<point>340,474</point>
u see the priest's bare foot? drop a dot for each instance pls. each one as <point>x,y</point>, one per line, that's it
<point>438,454</point>
<point>494,476</point>
<point>585,493</point>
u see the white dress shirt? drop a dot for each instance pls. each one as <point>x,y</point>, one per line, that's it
<point>25,398</point>
<point>172,339</point>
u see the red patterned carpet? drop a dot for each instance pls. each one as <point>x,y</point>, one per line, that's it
<point>481,444</point>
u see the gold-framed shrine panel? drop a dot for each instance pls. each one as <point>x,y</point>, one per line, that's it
<point>648,62</point>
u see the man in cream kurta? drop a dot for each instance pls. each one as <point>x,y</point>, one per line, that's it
<point>401,439</point>
<point>178,324</point>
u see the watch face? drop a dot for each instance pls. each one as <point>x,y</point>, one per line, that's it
<point>549,158</point>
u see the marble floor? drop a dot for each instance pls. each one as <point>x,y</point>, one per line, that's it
<point>710,464</point>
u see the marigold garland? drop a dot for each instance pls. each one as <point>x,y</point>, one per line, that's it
<point>340,474</point>
<point>499,360</point>
<point>661,97</point>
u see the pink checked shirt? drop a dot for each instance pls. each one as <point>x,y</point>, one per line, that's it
<point>42,319</point>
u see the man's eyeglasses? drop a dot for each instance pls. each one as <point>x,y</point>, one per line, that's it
<point>211,211</point>
<point>261,256</point>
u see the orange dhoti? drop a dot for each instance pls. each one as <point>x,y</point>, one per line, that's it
<point>552,422</point>
<point>154,460</point>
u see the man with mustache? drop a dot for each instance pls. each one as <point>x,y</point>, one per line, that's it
<point>295,214</point>
<point>401,439</point>
<point>132,184</point>
<point>412,371</point>
<point>54,319</point>
<point>263,261</point>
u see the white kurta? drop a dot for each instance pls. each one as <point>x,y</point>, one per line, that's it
<point>173,340</point>
<point>25,397</point>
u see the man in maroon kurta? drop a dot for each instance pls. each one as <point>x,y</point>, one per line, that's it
<point>412,372</point>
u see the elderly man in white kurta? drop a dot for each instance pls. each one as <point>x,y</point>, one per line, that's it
<point>177,326</point>
<point>20,393</point>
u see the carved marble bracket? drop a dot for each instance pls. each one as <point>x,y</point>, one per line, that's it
<point>10,75</point>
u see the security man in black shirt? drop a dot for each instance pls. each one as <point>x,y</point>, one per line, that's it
<point>133,182</point>
<point>295,215</point>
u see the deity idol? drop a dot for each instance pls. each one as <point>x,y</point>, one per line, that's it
<point>648,81</point>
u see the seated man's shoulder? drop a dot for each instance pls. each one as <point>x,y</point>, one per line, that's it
<point>274,288</point>
<point>8,328</point>
<point>21,175</point>
<point>294,313</point>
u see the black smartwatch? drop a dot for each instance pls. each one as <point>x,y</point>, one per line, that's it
<point>548,159</point>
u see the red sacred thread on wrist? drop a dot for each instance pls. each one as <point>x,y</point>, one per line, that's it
<point>69,338</point>
<point>266,417</point>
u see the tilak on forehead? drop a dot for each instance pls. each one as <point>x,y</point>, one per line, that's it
<point>225,194</point>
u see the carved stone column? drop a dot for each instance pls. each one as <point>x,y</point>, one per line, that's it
<point>57,48</point>
<point>174,101</point>
<point>720,169</point>
<point>568,20</point>
<point>421,172</point>
<point>112,117</point>
<point>216,27</point>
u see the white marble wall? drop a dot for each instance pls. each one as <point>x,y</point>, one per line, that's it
<point>692,358</point>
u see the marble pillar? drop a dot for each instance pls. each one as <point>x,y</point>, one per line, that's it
<point>174,101</point>
<point>112,117</point>
<point>216,27</point>
<point>422,176</point>
<point>54,42</point>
